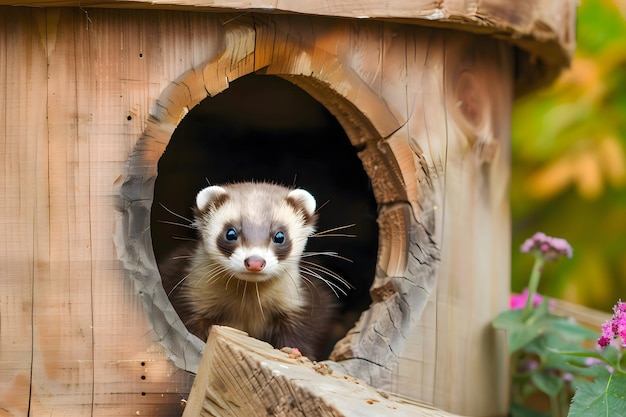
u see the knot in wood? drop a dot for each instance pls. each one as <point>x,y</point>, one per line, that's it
<point>383,293</point>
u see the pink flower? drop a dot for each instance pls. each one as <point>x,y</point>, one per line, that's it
<point>550,248</point>
<point>604,341</point>
<point>616,327</point>
<point>518,301</point>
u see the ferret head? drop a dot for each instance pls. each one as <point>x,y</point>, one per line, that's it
<point>254,231</point>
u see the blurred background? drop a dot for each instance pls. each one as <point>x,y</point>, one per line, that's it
<point>569,165</point>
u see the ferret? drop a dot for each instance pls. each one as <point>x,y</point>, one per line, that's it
<point>246,270</point>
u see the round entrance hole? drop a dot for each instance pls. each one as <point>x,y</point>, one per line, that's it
<point>263,128</point>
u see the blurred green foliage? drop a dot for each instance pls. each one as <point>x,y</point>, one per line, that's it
<point>569,165</point>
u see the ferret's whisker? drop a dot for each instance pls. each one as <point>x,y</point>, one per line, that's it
<point>328,232</point>
<point>174,213</point>
<point>324,204</point>
<point>329,254</point>
<point>322,269</point>
<point>334,287</point>
<point>333,235</point>
<point>181,281</point>
<point>295,283</point>
<point>188,226</point>
<point>258,296</point>
<point>179,257</point>
<point>185,238</point>
<point>309,284</point>
<point>214,274</point>
<point>243,296</point>
<point>229,279</point>
<point>178,284</point>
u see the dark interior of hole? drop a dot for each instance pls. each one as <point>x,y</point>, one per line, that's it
<point>265,128</point>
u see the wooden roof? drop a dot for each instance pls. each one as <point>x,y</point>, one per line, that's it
<point>543,30</point>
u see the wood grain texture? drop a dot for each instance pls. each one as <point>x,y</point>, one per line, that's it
<point>416,120</point>
<point>63,355</point>
<point>544,30</point>
<point>241,376</point>
<point>24,206</point>
<point>471,193</point>
<point>77,90</point>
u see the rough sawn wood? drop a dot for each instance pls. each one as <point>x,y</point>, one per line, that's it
<point>543,29</point>
<point>242,376</point>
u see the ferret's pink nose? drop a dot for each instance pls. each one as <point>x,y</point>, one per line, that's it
<point>254,263</point>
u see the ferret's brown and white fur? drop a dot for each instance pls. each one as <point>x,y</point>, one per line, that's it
<point>246,272</point>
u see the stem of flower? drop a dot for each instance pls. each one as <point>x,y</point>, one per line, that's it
<point>564,401</point>
<point>554,406</point>
<point>533,283</point>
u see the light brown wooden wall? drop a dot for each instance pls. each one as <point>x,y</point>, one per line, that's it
<point>74,338</point>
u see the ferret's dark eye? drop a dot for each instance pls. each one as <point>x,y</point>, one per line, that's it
<point>279,238</point>
<point>231,235</point>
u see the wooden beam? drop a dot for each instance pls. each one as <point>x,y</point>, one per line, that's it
<point>24,208</point>
<point>242,376</point>
<point>543,30</point>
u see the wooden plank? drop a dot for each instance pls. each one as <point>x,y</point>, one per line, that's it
<point>241,376</point>
<point>62,314</point>
<point>135,184</point>
<point>23,197</point>
<point>490,14</point>
<point>236,57</point>
<point>365,52</point>
<point>452,157</point>
<point>93,341</point>
<point>544,30</point>
<point>133,56</point>
<point>467,156</point>
<point>592,319</point>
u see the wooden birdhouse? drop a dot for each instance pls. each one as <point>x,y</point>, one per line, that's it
<point>115,113</point>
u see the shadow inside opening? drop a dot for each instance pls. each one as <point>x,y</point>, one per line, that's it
<point>263,128</point>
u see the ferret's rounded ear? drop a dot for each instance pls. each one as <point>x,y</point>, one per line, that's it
<point>303,198</point>
<point>208,196</point>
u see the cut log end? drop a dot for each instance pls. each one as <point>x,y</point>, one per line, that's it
<point>240,375</point>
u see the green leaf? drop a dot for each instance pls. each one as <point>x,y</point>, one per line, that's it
<point>609,357</point>
<point>604,397</point>
<point>518,410</point>
<point>547,383</point>
<point>594,371</point>
<point>519,334</point>
<point>572,331</point>
<point>508,319</point>
<point>541,311</point>
<point>579,353</point>
<point>574,362</point>
<point>555,342</point>
<point>592,36</point>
